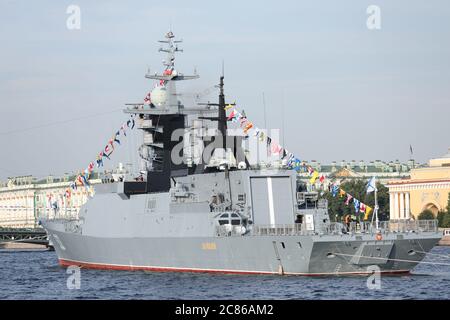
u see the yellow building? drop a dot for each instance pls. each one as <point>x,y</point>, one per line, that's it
<point>427,188</point>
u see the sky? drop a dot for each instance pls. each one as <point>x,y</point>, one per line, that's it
<point>346,92</point>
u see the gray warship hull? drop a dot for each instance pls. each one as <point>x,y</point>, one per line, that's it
<point>168,232</point>
<point>290,254</point>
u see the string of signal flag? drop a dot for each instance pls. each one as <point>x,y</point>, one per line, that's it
<point>295,163</point>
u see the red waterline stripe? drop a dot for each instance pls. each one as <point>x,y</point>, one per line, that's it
<point>88,265</point>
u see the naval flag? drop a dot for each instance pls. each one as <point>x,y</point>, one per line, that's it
<point>371,186</point>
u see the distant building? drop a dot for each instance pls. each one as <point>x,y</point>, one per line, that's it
<point>427,188</point>
<point>343,171</point>
<point>23,200</point>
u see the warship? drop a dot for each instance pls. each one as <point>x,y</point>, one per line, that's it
<point>215,212</point>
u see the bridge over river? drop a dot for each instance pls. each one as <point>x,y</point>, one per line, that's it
<point>21,238</point>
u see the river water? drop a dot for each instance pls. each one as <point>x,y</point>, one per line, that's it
<point>36,275</point>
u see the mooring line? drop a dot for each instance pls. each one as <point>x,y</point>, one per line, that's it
<point>436,268</point>
<point>392,259</point>
<point>434,254</point>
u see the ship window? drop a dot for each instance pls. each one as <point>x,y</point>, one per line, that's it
<point>222,222</point>
<point>282,244</point>
<point>235,222</point>
<point>241,197</point>
<point>225,215</point>
<point>234,215</point>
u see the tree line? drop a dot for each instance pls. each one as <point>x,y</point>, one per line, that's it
<point>357,188</point>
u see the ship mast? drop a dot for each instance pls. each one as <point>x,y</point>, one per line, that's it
<point>222,127</point>
<point>222,116</point>
<point>170,75</point>
<point>165,114</point>
<point>160,119</point>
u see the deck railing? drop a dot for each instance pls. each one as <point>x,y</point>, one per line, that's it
<point>278,230</point>
<point>413,225</point>
<point>335,228</point>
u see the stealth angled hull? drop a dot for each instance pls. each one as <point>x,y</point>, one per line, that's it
<point>296,255</point>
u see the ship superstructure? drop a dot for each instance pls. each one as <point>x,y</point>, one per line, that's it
<point>210,211</point>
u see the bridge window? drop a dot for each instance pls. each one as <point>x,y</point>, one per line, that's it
<point>235,222</point>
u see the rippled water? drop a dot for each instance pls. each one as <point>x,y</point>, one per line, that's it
<point>36,275</point>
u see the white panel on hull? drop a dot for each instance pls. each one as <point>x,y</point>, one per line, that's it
<point>283,200</point>
<point>272,200</point>
<point>260,201</point>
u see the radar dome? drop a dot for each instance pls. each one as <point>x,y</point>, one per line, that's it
<point>159,96</point>
<point>242,165</point>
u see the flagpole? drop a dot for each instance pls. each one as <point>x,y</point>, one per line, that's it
<point>372,186</point>
<point>376,209</point>
<point>373,217</point>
